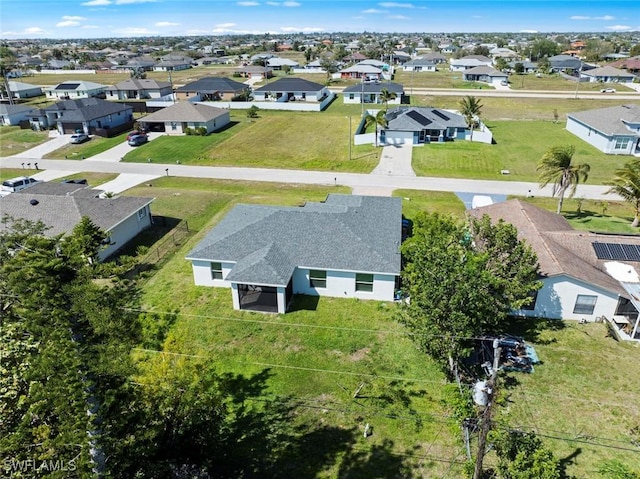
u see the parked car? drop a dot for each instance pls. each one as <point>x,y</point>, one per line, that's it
<point>138,140</point>
<point>17,184</point>
<point>79,181</point>
<point>78,138</point>
<point>136,133</point>
<point>608,90</point>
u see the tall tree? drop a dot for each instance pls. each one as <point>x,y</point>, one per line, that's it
<point>379,120</point>
<point>386,96</point>
<point>556,167</point>
<point>471,108</point>
<point>462,281</point>
<point>626,184</point>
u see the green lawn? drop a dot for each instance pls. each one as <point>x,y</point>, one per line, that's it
<point>95,145</point>
<point>14,140</point>
<point>519,147</point>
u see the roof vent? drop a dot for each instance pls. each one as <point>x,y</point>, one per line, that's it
<point>33,202</point>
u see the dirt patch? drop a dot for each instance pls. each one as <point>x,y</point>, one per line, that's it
<point>360,354</point>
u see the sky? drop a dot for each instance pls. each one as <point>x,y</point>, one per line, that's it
<point>141,18</point>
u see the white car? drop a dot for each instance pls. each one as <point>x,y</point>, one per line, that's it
<point>17,184</point>
<point>608,90</point>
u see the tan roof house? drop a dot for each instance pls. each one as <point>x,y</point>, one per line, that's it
<point>178,118</point>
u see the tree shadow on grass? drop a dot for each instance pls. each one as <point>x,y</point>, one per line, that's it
<point>531,329</point>
<point>303,302</point>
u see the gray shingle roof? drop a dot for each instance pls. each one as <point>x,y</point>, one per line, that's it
<point>86,109</point>
<point>6,109</point>
<point>213,84</point>
<point>60,209</point>
<point>484,70</point>
<point>560,248</point>
<point>609,121</point>
<point>405,118</point>
<point>291,84</point>
<point>349,233</point>
<point>185,111</point>
<point>142,84</point>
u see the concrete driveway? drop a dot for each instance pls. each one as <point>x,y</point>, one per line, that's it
<point>44,148</point>
<point>116,153</point>
<point>125,181</point>
<point>395,160</point>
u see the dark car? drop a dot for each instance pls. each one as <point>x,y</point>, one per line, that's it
<point>79,181</point>
<point>136,133</point>
<point>138,140</point>
<point>78,138</point>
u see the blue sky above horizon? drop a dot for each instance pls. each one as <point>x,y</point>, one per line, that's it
<point>140,18</point>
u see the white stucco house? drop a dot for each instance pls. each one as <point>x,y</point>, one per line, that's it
<point>418,125</point>
<point>177,118</point>
<point>347,246</point>
<point>75,89</point>
<point>291,89</point>
<point>419,65</point>
<point>14,114</point>
<point>61,206</point>
<point>608,74</point>
<point>372,93</point>
<point>614,130</point>
<point>485,74</point>
<point>23,90</point>
<point>586,276</point>
<point>468,62</point>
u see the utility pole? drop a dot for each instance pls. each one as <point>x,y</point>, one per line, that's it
<point>485,425</point>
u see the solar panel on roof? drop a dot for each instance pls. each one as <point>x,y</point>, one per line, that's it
<point>441,115</point>
<point>414,115</point>
<point>67,86</point>
<point>617,251</point>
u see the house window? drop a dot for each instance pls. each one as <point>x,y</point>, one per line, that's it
<point>174,126</point>
<point>621,143</point>
<point>364,282</point>
<point>352,96</point>
<point>142,212</point>
<point>317,278</point>
<point>532,305</point>
<point>216,270</point>
<point>585,304</point>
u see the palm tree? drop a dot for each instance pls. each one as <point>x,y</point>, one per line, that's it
<point>386,96</point>
<point>555,167</point>
<point>470,107</point>
<point>378,120</point>
<point>626,184</point>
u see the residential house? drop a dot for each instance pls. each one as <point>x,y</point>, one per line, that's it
<point>253,71</point>
<point>347,246</point>
<point>502,52</point>
<point>608,74</point>
<point>277,63</point>
<point>22,90</point>
<point>75,89</point>
<point>362,71</point>
<point>91,115</point>
<point>141,64</point>
<point>417,125</point>
<point>211,89</point>
<point>585,276</point>
<point>468,62</point>
<point>291,89</point>
<point>420,65</point>
<point>54,64</point>
<point>434,57</point>
<point>354,57</point>
<point>565,63</point>
<point>178,118</point>
<point>137,89</point>
<point>613,130</point>
<point>400,57</point>
<point>484,74</point>
<point>172,64</point>
<point>631,64</point>
<point>61,206</point>
<point>372,93</point>
<point>14,114</point>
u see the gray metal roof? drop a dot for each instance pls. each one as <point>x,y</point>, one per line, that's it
<point>291,84</point>
<point>267,243</point>
<point>405,118</point>
<point>60,209</point>
<point>185,111</point>
<point>213,84</point>
<point>375,88</point>
<point>611,120</point>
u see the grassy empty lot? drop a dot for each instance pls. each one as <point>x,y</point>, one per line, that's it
<point>95,145</point>
<point>14,140</point>
<point>323,350</point>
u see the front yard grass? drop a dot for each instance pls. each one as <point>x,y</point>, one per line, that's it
<point>14,140</point>
<point>519,147</point>
<point>94,146</point>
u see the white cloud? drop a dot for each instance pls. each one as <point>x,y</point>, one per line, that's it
<point>73,18</point>
<point>606,18</point>
<point>373,10</point>
<point>528,31</point>
<point>90,27</point>
<point>399,17</point>
<point>396,5</point>
<point>166,24</point>
<point>248,4</point>
<point>620,28</point>
<point>134,31</point>
<point>290,4</point>
<point>302,29</point>
<point>128,2</point>
<point>273,4</point>
<point>225,25</point>
<point>96,3</point>
<point>67,23</point>
<point>26,31</point>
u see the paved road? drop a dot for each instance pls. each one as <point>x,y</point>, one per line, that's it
<point>358,181</point>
